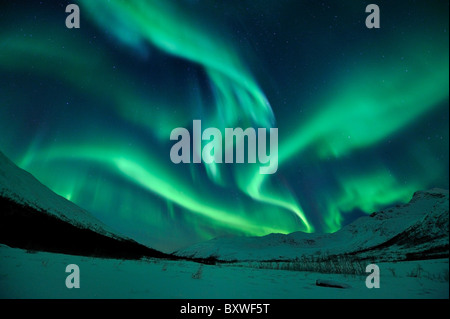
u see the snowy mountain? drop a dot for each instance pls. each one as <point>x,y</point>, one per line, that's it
<point>417,230</point>
<point>35,218</point>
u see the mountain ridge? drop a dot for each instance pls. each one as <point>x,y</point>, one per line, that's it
<point>418,229</point>
<point>35,218</point>
<point>23,188</point>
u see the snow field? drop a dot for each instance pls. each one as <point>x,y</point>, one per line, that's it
<point>42,275</point>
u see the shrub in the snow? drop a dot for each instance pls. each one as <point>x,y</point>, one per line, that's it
<point>198,274</point>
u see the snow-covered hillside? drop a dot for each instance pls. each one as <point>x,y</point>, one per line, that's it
<point>416,230</point>
<point>20,186</point>
<point>35,218</point>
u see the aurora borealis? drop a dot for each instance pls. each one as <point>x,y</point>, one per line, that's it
<point>362,115</point>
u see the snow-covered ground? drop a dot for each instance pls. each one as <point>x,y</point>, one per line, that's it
<point>42,275</point>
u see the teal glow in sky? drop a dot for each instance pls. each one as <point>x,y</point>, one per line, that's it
<point>362,114</point>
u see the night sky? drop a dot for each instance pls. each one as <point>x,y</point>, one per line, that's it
<point>362,114</point>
